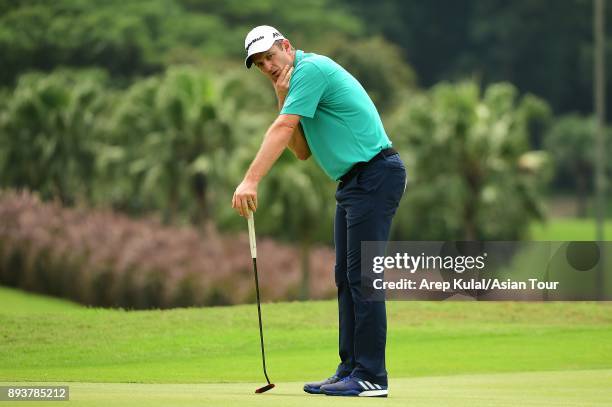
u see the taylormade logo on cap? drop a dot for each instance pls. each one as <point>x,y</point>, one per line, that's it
<point>253,41</point>
<point>260,39</point>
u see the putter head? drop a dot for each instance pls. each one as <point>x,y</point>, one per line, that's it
<point>264,389</point>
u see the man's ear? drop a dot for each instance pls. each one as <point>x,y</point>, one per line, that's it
<point>286,45</point>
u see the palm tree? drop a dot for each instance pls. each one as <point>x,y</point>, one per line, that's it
<point>471,172</point>
<point>175,139</point>
<point>48,133</point>
<point>571,142</point>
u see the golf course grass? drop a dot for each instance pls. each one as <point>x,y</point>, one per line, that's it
<point>567,229</point>
<point>439,353</point>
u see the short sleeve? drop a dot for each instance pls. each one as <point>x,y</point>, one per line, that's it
<point>306,88</point>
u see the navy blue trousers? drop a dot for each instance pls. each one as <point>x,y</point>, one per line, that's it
<point>365,207</point>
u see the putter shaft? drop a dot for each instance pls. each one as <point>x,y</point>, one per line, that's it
<point>253,245</point>
<point>261,338</point>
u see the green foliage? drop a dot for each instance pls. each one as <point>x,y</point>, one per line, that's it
<point>180,142</point>
<point>378,65</point>
<point>304,22</point>
<point>471,174</point>
<point>571,142</point>
<point>167,137</point>
<point>111,35</point>
<point>542,48</point>
<point>297,197</point>
<point>140,37</point>
<point>48,133</point>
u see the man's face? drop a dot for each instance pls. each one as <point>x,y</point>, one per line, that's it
<point>272,61</point>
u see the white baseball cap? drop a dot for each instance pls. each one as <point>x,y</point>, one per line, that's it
<point>260,39</point>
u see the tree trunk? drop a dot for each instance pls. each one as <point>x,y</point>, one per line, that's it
<point>173,202</point>
<point>199,187</point>
<point>470,229</point>
<point>469,223</point>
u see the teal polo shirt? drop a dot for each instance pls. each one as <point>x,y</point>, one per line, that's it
<point>340,122</point>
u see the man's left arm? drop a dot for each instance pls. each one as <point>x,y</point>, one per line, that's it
<point>297,144</point>
<point>275,141</point>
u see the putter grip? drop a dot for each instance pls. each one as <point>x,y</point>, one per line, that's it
<point>251,221</point>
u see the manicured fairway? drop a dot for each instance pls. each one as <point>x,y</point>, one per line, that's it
<point>439,353</point>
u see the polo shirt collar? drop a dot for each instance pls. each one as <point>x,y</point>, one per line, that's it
<point>299,55</point>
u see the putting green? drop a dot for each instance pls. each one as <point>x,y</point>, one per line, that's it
<point>570,388</point>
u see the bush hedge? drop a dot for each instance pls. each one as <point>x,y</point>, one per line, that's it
<point>101,258</point>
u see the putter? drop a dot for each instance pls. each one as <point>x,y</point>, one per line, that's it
<point>251,222</point>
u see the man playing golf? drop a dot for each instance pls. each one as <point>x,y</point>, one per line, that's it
<point>326,113</point>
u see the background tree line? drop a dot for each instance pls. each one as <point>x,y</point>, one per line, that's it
<point>145,107</point>
<point>540,47</point>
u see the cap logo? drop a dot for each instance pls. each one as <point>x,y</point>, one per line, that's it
<point>276,34</point>
<point>254,41</point>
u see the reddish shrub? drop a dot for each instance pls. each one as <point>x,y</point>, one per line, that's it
<point>102,258</point>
